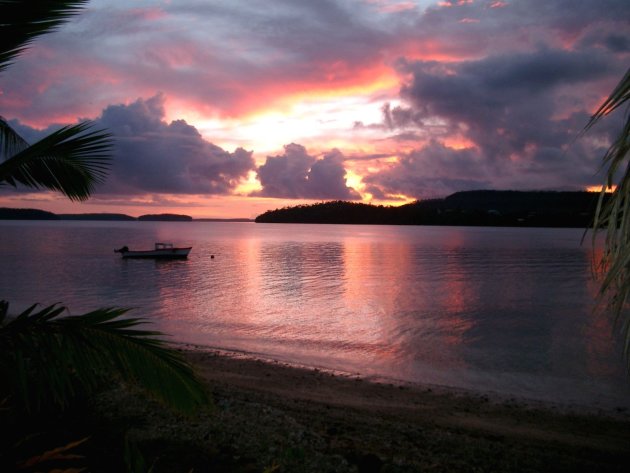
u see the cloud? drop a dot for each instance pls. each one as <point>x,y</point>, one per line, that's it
<point>154,156</point>
<point>437,170</point>
<point>502,84</point>
<point>434,170</point>
<point>518,25</point>
<point>517,116</point>
<point>297,175</point>
<point>233,58</point>
<point>226,58</point>
<point>503,103</point>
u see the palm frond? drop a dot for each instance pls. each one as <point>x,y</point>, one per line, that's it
<point>48,357</point>
<point>55,455</point>
<point>613,215</point>
<point>70,160</point>
<point>10,141</point>
<point>21,21</point>
<point>619,96</point>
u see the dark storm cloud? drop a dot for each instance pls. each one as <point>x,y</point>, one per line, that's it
<point>431,171</point>
<point>518,109</point>
<point>154,156</point>
<point>505,103</point>
<point>297,175</point>
<point>304,32</point>
<point>488,92</point>
<point>435,170</point>
<point>509,109</point>
<point>517,25</point>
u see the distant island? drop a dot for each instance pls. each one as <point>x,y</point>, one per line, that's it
<point>470,208</point>
<point>35,214</point>
<point>94,216</point>
<point>165,218</point>
<point>26,214</point>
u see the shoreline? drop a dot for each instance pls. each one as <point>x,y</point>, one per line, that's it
<point>273,417</point>
<point>374,426</point>
<point>244,358</point>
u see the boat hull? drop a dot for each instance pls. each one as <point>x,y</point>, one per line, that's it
<point>167,253</point>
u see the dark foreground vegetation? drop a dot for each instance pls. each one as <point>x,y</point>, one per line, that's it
<point>484,208</point>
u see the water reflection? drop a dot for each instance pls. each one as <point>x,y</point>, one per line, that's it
<point>504,309</point>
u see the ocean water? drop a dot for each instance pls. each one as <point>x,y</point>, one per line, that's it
<point>507,310</point>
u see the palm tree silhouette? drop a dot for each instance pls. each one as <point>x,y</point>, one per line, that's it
<point>46,355</point>
<point>71,160</point>
<point>613,215</point>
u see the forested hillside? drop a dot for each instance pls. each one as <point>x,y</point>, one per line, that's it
<point>488,208</point>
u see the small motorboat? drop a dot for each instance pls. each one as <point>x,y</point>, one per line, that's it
<point>161,250</point>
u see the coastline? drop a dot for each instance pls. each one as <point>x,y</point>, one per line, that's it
<point>273,415</point>
<point>244,360</point>
<point>270,417</point>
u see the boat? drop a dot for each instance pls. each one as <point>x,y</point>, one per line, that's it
<point>161,250</point>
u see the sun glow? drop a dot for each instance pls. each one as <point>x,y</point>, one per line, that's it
<point>393,200</point>
<point>599,188</point>
<point>458,143</point>
<point>315,114</point>
<point>354,180</point>
<point>248,186</point>
<point>320,124</point>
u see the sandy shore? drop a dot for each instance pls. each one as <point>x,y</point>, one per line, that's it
<point>269,417</point>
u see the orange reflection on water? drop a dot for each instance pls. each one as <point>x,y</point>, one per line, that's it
<point>248,278</point>
<point>411,308</point>
<point>599,327</point>
<point>452,294</point>
<point>373,309</point>
<point>453,300</point>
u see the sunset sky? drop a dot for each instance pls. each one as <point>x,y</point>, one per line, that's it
<point>228,108</point>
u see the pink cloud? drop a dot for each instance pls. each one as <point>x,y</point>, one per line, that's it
<point>396,7</point>
<point>454,3</point>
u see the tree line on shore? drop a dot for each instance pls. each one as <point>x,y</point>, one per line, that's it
<point>479,208</point>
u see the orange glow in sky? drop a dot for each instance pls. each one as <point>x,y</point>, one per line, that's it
<point>321,121</point>
<point>599,188</point>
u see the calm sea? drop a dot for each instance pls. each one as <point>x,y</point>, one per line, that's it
<point>508,310</point>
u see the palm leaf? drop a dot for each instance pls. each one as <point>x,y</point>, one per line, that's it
<point>21,21</point>
<point>70,160</point>
<point>613,215</point>
<point>10,141</point>
<point>619,96</point>
<point>49,358</point>
<point>55,454</point>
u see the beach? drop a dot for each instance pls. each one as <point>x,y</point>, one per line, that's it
<point>268,416</point>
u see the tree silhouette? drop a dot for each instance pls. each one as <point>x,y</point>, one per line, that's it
<point>613,214</point>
